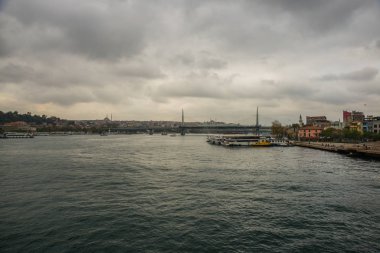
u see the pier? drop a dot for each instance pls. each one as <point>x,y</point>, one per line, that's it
<point>365,150</point>
<point>16,135</point>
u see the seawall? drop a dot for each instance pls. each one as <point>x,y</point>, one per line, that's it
<point>365,150</point>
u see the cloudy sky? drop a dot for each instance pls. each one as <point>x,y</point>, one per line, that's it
<point>216,59</point>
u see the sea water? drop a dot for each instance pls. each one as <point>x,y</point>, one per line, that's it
<point>141,193</point>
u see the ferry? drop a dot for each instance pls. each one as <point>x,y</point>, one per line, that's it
<point>240,140</point>
<point>246,140</point>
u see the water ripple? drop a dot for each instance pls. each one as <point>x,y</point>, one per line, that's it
<point>142,193</point>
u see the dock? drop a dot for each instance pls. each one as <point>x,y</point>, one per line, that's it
<point>16,135</point>
<point>365,150</point>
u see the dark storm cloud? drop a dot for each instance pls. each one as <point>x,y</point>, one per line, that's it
<point>365,74</point>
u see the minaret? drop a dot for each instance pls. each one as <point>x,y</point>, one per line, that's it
<point>300,121</point>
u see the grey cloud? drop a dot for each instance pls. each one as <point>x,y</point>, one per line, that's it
<point>60,97</point>
<point>212,63</point>
<point>95,29</point>
<point>201,85</point>
<point>4,49</point>
<point>201,60</point>
<point>45,76</point>
<point>225,88</point>
<point>185,59</point>
<point>335,96</point>
<point>68,96</point>
<point>70,53</point>
<point>141,71</point>
<point>365,74</point>
<point>13,73</point>
<point>319,15</point>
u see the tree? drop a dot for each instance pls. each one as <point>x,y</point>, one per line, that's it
<point>277,129</point>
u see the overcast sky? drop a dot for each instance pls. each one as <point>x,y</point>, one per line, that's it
<point>215,59</point>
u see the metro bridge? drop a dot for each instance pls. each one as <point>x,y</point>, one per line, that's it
<point>184,128</point>
<point>205,129</point>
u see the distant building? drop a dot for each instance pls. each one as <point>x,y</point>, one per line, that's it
<point>349,117</point>
<point>337,124</point>
<point>18,126</point>
<point>320,121</point>
<point>300,121</point>
<point>371,124</point>
<point>376,127</point>
<point>356,126</point>
<point>309,133</point>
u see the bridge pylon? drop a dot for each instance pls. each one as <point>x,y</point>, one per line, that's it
<point>182,129</point>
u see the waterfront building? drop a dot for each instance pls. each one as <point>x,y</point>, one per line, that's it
<point>356,126</point>
<point>371,124</point>
<point>349,117</point>
<point>17,126</point>
<point>337,124</point>
<point>320,121</point>
<point>309,133</point>
<point>376,126</point>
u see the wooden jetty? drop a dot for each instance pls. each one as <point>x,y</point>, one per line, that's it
<point>367,149</point>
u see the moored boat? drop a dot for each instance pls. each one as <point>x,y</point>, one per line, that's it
<point>246,140</point>
<point>14,135</point>
<point>240,140</point>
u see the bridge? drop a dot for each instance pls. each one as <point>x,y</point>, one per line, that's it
<point>204,129</point>
<point>184,128</point>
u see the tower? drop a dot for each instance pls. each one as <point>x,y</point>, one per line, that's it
<point>257,126</point>
<point>300,121</point>
<point>183,123</point>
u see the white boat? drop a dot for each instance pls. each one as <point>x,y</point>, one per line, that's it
<point>239,140</point>
<point>246,140</point>
<point>17,135</point>
<point>215,139</point>
<point>280,142</point>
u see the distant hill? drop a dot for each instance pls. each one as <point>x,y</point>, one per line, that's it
<point>8,117</point>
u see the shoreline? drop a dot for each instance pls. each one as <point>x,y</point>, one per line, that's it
<point>363,150</point>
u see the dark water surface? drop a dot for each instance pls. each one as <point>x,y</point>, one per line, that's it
<point>142,193</point>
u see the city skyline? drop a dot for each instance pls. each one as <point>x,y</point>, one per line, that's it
<point>218,60</point>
